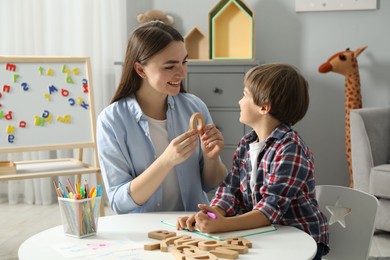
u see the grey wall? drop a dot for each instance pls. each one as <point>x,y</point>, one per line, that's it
<point>306,40</point>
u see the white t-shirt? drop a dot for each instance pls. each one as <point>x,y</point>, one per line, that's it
<point>254,151</point>
<point>171,192</point>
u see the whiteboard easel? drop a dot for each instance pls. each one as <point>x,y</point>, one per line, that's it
<point>46,103</point>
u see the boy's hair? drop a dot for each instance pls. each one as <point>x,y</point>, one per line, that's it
<point>283,87</point>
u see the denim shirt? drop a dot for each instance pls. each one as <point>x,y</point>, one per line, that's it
<point>126,151</point>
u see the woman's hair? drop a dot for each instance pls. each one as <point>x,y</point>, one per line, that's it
<point>283,87</point>
<point>145,42</point>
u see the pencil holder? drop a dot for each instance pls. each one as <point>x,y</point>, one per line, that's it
<point>79,217</point>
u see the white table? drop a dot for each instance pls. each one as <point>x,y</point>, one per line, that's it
<point>118,230</point>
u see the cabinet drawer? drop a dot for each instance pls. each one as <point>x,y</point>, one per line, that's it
<point>228,123</point>
<point>217,89</point>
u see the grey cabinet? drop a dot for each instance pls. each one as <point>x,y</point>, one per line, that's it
<point>220,84</point>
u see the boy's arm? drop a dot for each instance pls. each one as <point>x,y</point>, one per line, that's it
<point>249,220</point>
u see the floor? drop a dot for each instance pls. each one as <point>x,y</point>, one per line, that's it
<point>31,219</point>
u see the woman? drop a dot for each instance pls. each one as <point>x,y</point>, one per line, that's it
<point>150,160</point>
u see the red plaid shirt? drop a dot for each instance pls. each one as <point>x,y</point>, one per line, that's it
<point>285,186</point>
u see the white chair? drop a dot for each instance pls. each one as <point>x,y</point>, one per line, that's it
<point>351,218</point>
<point>370,140</point>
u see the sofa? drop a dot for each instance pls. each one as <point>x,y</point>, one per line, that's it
<point>370,151</point>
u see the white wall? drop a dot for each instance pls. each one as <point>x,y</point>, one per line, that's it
<point>306,40</point>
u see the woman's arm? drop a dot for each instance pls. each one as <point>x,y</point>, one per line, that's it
<point>146,184</point>
<point>214,171</point>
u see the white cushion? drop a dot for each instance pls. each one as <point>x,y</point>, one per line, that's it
<point>380,180</point>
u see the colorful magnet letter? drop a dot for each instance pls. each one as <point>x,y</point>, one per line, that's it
<point>39,121</point>
<point>15,77</point>
<point>47,96</point>
<point>40,70</point>
<point>72,102</point>
<point>10,66</point>
<point>49,72</point>
<point>22,124</point>
<point>69,80</point>
<point>8,116</point>
<point>64,92</point>
<point>24,85</point>
<point>6,88</point>
<point>11,138</point>
<point>75,71</point>
<point>52,89</point>
<point>10,129</point>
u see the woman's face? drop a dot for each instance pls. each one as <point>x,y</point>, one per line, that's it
<point>165,71</point>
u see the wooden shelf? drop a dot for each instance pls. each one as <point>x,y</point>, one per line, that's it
<point>49,168</point>
<point>231,27</point>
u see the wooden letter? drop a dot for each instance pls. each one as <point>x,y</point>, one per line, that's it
<point>161,234</point>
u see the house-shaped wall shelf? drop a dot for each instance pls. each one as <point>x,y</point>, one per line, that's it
<point>231,29</point>
<point>197,45</point>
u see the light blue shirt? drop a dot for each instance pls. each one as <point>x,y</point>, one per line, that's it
<point>126,151</point>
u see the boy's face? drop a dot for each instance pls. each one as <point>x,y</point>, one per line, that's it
<point>250,112</point>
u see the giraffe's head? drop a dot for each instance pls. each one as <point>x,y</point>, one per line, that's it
<point>343,62</point>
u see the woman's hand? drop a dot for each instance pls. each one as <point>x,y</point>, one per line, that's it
<point>212,141</point>
<point>181,148</point>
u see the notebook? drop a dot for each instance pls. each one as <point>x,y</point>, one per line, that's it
<point>226,235</point>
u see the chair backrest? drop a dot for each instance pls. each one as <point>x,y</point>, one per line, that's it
<point>351,217</point>
<point>376,124</point>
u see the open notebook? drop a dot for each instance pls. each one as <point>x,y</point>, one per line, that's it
<point>227,235</point>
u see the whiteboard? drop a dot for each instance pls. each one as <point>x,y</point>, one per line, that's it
<point>45,103</point>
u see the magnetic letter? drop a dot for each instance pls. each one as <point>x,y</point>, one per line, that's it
<point>79,100</point>
<point>10,129</point>
<point>85,86</point>
<point>49,72</point>
<point>45,114</point>
<point>52,89</point>
<point>8,116</point>
<point>75,71</point>
<point>64,92</point>
<point>39,121</point>
<point>71,101</point>
<point>69,80</point>
<point>24,85</point>
<point>16,76</point>
<point>65,119</point>
<point>22,124</point>
<point>47,96</point>
<point>40,70</point>
<point>11,138</point>
<point>6,88</point>
<point>10,66</point>
<point>84,105</point>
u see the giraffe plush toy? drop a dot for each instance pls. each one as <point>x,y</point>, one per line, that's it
<point>345,63</point>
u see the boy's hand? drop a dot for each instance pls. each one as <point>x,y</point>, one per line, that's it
<point>208,219</point>
<point>187,222</point>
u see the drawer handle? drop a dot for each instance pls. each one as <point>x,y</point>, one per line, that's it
<point>218,91</point>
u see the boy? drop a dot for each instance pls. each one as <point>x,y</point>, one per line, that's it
<point>272,177</point>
